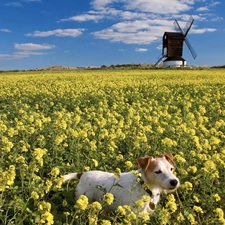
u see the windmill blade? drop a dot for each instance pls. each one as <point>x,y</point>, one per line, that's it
<point>190,48</point>
<point>188,26</point>
<point>177,26</point>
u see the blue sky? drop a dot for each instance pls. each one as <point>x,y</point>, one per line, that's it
<point>78,33</point>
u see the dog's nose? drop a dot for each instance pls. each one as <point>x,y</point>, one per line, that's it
<point>173,182</point>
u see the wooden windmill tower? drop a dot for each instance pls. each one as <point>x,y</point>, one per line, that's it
<point>172,43</point>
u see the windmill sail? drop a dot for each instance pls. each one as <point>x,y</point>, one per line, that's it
<point>185,32</point>
<point>188,26</point>
<point>177,26</point>
<point>160,58</point>
<point>190,48</point>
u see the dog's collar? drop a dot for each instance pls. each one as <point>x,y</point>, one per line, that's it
<point>145,188</point>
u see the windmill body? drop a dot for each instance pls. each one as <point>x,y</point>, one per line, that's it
<point>172,46</point>
<point>173,49</point>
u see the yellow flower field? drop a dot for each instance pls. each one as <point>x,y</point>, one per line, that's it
<point>53,123</point>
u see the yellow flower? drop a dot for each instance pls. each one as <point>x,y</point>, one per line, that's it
<point>59,139</point>
<point>34,195</point>
<point>117,173</point>
<point>192,169</point>
<point>129,164</point>
<point>58,182</point>
<point>55,171</point>
<point>214,140</point>
<point>77,119</point>
<point>95,162</point>
<point>12,132</point>
<point>187,185</point>
<point>219,212</point>
<point>121,210</point>
<point>108,198</point>
<point>44,206</point>
<point>179,159</point>
<point>180,217</point>
<point>215,175</point>
<point>83,134</point>
<point>47,218</point>
<point>198,209</point>
<point>191,218</point>
<point>20,159</point>
<point>106,222</point>
<point>48,186</point>
<point>119,157</point>
<point>139,204</point>
<point>164,216</point>
<point>131,216</point>
<point>10,175</point>
<point>145,216</point>
<point>7,145</point>
<point>95,206</point>
<point>66,213</point>
<point>196,199</point>
<point>209,166</point>
<point>81,203</point>
<point>38,154</point>
<point>171,204</point>
<point>145,198</point>
<point>93,219</point>
<point>86,168</point>
<point>217,197</point>
<point>168,142</point>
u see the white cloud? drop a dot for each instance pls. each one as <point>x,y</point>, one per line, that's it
<point>214,3</point>
<point>20,55</point>
<point>202,30</point>
<point>136,32</point>
<point>159,47</point>
<point>202,9</point>
<point>127,9</point>
<point>217,18</point>
<point>20,3</point>
<point>159,6</point>
<point>26,50</point>
<point>5,30</point>
<point>141,49</point>
<point>83,18</point>
<point>140,21</point>
<point>14,4</point>
<point>33,47</point>
<point>142,37</point>
<point>154,6</point>
<point>58,32</point>
<point>99,4</point>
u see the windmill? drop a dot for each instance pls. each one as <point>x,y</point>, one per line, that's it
<point>172,46</point>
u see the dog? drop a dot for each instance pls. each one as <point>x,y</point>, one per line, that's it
<point>156,173</point>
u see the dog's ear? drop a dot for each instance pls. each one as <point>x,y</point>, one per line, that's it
<point>144,162</point>
<point>169,157</point>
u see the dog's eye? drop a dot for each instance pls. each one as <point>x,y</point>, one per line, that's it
<point>172,169</point>
<point>158,171</point>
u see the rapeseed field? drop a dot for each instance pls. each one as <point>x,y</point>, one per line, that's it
<point>53,123</point>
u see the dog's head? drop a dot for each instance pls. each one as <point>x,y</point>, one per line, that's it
<point>158,172</point>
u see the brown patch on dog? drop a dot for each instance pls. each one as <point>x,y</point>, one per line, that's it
<point>169,157</point>
<point>79,175</point>
<point>152,165</point>
<point>144,162</point>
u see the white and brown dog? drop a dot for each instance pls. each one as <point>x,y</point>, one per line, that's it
<point>157,173</point>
